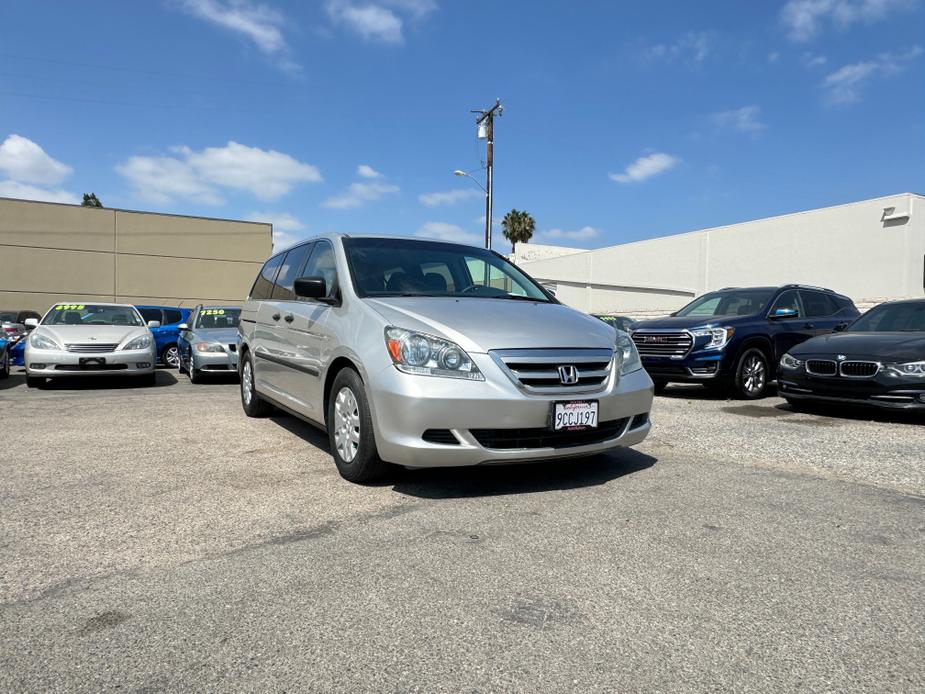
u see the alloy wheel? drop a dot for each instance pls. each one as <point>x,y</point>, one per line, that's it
<point>247,383</point>
<point>754,374</point>
<point>172,356</point>
<point>346,424</point>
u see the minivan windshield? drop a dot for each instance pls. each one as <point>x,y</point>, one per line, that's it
<point>739,302</point>
<point>92,314</point>
<point>889,318</point>
<point>406,267</point>
<point>218,318</point>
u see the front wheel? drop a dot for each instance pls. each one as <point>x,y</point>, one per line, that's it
<point>751,375</point>
<point>253,404</point>
<point>350,430</point>
<point>171,356</point>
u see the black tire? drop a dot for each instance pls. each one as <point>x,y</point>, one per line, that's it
<point>195,375</point>
<point>170,352</point>
<point>5,364</point>
<point>34,381</point>
<point>752,374</point>
<point>349,408</point>
<point>253,404</point>
<point>659,386</point>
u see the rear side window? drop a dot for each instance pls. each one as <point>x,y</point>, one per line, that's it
<point>817,304</point>
<point>172,316</point>
<point>151,314</point>
<point>263,287</point>
<point>290,271</point>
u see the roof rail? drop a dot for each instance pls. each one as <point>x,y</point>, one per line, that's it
<point>810,286</point>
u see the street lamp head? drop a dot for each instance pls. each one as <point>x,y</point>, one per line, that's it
<point>460,172</point>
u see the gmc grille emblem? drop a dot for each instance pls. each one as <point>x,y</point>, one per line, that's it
<point>568,375</point>
<point>656,338</point>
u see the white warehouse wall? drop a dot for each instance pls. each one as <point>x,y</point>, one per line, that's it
<point>851,248</point>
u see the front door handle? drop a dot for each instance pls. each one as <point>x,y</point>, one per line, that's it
<point>275,316</point>
<point>288,318</point>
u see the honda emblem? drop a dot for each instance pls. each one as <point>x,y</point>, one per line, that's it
<point>568,375</point>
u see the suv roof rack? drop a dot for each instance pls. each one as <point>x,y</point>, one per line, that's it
<point>809,286</point>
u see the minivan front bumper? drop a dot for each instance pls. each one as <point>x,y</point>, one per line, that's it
<point>493,421</point>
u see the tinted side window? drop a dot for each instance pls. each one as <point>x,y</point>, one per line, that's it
<point>151,314</point>
<point>817,304</point>
<point>172,315</point>
<point>290,271</point>
<point>321,264</point>
<point>263,287</point>
<point>787,300</point>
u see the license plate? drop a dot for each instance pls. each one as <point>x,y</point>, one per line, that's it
<point>575,415</point>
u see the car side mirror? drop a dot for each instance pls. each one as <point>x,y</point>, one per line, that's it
<point>183,326</point>
<point>154,324</point>
<point>31,322</point>
<point>310,288</point>
<point>841,327</point>
<point>784,313</point>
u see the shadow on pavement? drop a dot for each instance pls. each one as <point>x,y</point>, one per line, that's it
<point>15,379</point>
<point>113,382</point>
<point>524,478</point>
<point>697,392</point>
<point>858,413</point>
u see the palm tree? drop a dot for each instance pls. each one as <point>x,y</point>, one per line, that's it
<point>90,200</point>
<point>518,227</point>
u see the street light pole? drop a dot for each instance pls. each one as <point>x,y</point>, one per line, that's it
<point>486,120</point>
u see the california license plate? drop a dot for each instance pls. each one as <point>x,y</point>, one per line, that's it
<point>574,415</point>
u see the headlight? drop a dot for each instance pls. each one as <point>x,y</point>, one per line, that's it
<point>39,341</point>
<point>911,368</point>
<point>426,355</point>
<point>789,362</point>
<point>626,354</point>
<point>209,347</point>
<point>719,337</point>
<point>141,342</point>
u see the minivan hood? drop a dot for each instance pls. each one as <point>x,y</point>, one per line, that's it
<point>104,334</point>
<point>480,325</point>
<point>888,347</point>
<point>682,322</point>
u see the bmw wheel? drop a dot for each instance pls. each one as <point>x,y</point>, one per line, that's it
<point>751,376</point>
<point>350,430</point>
<point>253,404</point>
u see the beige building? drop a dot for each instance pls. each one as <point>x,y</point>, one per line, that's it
<point>872,251</point>
<point>50,252</point>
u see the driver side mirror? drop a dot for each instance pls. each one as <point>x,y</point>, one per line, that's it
<point>311,288</point>
<point>841,327</point>
<point>784,313</point>
<point>154,324</point>
<point>31,322</point>
<point>183,326</point>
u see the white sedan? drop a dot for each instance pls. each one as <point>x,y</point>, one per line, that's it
<point>82,339</point>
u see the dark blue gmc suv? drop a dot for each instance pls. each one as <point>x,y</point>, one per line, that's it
<point>734,337</point>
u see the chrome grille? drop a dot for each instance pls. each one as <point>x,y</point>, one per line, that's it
<point>662,343</point>
<point>859,369</point>
<point>91,347</point>
<point>821,367</point>
<point>538,370</point>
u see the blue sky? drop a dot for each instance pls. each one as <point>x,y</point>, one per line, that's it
<point>623,120</point>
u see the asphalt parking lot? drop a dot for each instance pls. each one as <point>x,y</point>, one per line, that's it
<point>157,539</point>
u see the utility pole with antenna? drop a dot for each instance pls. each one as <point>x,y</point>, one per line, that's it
<point>486,131</point>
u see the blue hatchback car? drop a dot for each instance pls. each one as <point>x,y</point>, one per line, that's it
<point>165,337</point>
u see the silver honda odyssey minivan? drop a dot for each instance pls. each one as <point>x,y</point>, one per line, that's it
<point>425,353</point>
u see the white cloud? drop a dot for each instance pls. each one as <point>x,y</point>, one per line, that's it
<point>449,197</point>
<point>366,171</point>
<point>811,60</point>
<point>585,233</point>
<point>378,21</point>
<point>803,19</point>
<point>371,22</point>
<point>24,191</point>
<point>646,167</point>
<point>692,47</point>
<point>283,240</point>
<point>443,231</point>
<point>200,176</point>
<point>844,86</point>
<point>773,57</point>
<point>358,194</point>
<point>280,220</point>
<point>745,119</point>
<point>23,160</point>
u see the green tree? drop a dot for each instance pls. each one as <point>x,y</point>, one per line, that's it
<point>90,200</point>
<point>518,227</point>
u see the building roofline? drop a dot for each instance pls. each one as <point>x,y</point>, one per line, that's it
<point>121,209</point>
